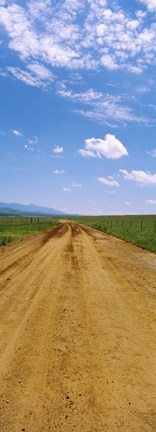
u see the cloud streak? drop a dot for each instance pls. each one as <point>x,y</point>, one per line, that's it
<point>36,75</point>
<point>151,202</point>
<point>110,182</point>
<point>103,107</point>
<point>17,133</point>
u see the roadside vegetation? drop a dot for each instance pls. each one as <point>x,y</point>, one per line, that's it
<point>139,230</point>
<point>15,228</point>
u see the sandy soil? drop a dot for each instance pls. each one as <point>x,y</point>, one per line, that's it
<point>77,334</point>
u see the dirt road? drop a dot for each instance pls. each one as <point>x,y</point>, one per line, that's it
<point>77,334</point>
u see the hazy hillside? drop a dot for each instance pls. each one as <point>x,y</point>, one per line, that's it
<point>24,209</point>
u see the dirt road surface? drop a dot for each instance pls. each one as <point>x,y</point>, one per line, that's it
<point>77,334</point>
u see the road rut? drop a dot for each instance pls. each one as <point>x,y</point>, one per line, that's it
<point>77,334</point>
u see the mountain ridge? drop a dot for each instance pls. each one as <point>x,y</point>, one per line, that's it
<point>28,209</point>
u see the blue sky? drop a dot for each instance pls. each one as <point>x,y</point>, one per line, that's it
<point>78,105</point>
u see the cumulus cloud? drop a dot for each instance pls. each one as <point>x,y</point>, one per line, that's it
<point>57,171</point>
<point>151,202</point>
<point>151,4</point>
<point>109,147</point>
<point>152,153</point>
<point>140,177</point>
<point>29,148</point>
<point>17,133</point>
<point>66,189</point>
<point>58,150</point>
<point>109,181</point>
<point>76,185</point>
<point>33,140</point>
<point>108,62</point>
<point>39,9</point>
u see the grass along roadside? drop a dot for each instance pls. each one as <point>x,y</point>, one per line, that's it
<point>15,228</point>
<point>139,230</point>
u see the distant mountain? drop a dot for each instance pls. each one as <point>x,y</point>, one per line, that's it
<point>28,209</point>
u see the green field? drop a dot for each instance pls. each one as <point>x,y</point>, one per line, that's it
<point>138,230</point>
<point>14,228</point>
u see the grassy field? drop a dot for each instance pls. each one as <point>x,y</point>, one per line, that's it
<point>139,230</point>
<point>14,228</point>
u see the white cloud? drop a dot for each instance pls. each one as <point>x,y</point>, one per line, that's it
<point>33,140</point>
<point>23,37</point>
<point>140,14</point>
<point>151,202</point>
<point>76,185</point>
<point>36,75</point>
<point>108,62</point>
<point>108,182</point>
<point>29,148</point>
<point>17,133</point>
<point>39,9</point>
<point>140,177</point>
<point>128,203</point>
<point>58,150</point>
<point>103,107</point>
<point>78,35</point>
<point>57,171</point>
<point>152,153</point>
<point>142,89</point>
<point>24,76</point>
<point>66,189</point>
<point>40,71</point>
<point>152,106</point>
<point>151,4</point>
<point>109,147</point>
<point>110,192</point>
